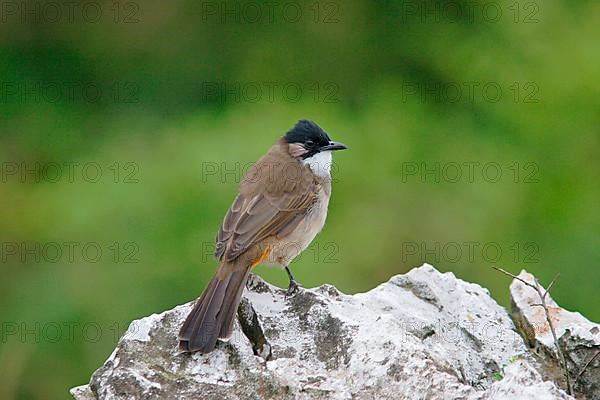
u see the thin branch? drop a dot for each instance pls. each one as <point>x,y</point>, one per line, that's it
<point>515,277</point>
<point>587,364</point>
<point>551,284</point>
<point>538,289</point>
<point>558,348</point>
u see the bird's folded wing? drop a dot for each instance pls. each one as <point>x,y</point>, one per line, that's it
<point>252,219</point>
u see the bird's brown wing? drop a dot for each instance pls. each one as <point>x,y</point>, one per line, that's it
<point>272,205</point>
<point>228,225</point>
<point>249,221</point>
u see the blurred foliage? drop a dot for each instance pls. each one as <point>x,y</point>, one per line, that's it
<point>162,92</point>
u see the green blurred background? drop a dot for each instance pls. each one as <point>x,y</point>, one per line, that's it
<point>171,101</point>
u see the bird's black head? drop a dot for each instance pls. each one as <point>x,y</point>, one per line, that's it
<point>312,138</point>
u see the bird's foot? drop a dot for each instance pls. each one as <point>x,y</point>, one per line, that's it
<point>293,288</point>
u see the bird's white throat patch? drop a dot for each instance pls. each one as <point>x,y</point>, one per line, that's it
<point>320,163</point>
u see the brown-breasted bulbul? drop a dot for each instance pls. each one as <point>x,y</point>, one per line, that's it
<point>281,206</point>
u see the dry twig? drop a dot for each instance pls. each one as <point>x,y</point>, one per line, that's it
<point>587,364</point>
<point>542,295</point>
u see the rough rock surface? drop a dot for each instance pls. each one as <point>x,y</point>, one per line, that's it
<point>523,382</point>
<point>422,335</point>
<point>579,337</point>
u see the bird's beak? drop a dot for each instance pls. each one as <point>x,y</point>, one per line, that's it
<point>333,146</point>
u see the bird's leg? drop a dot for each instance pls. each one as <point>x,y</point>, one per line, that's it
<point>293,286</point>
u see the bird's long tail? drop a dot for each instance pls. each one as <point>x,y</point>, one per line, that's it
<point>214,312</point>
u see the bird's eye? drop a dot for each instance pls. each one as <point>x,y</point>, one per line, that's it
<point>310,143</point>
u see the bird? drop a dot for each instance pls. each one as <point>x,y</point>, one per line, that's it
<point>280,207</point>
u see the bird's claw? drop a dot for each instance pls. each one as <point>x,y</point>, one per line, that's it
<point>293,288</point>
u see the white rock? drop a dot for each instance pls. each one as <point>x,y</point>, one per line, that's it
<point>420,335</point>
<point>579,337</point>
<point>522,382</point>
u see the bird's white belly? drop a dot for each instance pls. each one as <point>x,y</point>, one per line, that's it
<point>286,249</point>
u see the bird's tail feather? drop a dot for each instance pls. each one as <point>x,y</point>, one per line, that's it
<point>214,312</point>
